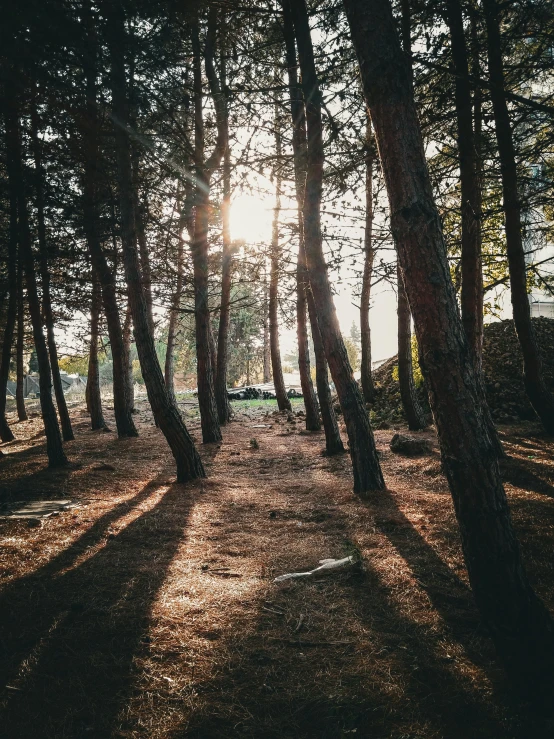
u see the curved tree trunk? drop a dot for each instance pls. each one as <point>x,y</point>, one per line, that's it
<point>94,399</point>
<point>539,396</point>
<point>366,377</point>
<point>11,313</point>
<point>166,413</point>
<point>54,445</point>
<point>19,391</point>
<point>365,463</point>
<point>122,401</point>
<point>283,401</point>
<point>410,403</point>
<point>518,621</point>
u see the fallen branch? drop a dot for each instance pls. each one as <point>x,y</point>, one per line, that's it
<point>326,566</point>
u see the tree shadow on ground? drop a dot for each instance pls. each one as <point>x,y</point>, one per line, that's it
<point>71,629</point>
<point>390,675</point>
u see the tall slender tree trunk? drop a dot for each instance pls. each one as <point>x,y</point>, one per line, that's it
<point>365,463</point>
<point>410,404</point>
<point>221,396</point>
<point>333,441</point>
<point>313,422</point>
<point>94,399</point>
<point>283,401</point>
<point>267,347</point>
<point>366,377</point>
<point>166,413</point>
<point>299,146</point>
<point>518,621</point>
<point>413,411</point>
<point>48,317</point>
<point>471,298</point>
<point>20,342</point>
<point>127,332</point>
<point>11,313</point>
<point>169,370</point>
<point>211,431</point>
<point>123,403</point>
<point>539,396</point>
<point>54,445</point>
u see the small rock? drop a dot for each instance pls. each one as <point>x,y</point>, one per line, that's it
<point>409,445</point>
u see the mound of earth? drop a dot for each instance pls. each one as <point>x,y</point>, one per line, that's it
<point>502,366</point>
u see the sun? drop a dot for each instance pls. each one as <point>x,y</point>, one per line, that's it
<point>251,217</point>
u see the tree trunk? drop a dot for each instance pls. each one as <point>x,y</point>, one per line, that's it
<point>11,313</point>
<point>211,431</point>
<point>127,332</point>
<point>166,413</point>
<point>221,396</point>
<point>283,401</point>
<point>169,370</point>
<point>19,392</point>
<point>471,297</point>
<point>122,402</point>
<point>518,621</point>
<point>299,146</point>
<point>94,399</point>
<point>539,396</point>
<point>48,317</point>
<point>54,445</point>
<point>368,388</point>
<point>267,347</point>
<point>313,422</point>
<point>410,403</point>
<point>333,441</point>
<point>365,463</point>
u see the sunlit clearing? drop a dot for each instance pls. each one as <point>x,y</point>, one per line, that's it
<point>251,218</point>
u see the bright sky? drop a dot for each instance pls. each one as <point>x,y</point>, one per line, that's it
<point>251,218</point>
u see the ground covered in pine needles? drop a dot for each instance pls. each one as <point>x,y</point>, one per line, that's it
<point>150,610</point>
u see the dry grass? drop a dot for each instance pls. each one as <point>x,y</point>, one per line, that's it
<point>151,612</point>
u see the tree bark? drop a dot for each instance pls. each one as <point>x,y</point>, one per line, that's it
<point>169,370</point>
<point>48,317</point>
<point>54,445</point>
<point>471,297</point>
<point>123,404</point>
<point>299,146</point>
<point>166,413</point>
<point>211,431</point>
<point>283,401</point>
<point>410,404</point>
<point>94,399</point>
<point>127,332</point>
<point>539,396</point>
<point>221,396</point>
<point>368,388</point>
<point>413,411</point>
<point>365,463</point>
<point>267,347</point>
<point>518,621</point>
<point>6,433</point>
<point>19,393</point>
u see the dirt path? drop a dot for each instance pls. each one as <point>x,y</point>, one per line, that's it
<point>150,611</point>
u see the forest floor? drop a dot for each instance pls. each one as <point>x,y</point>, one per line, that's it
<point>150,610</point>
